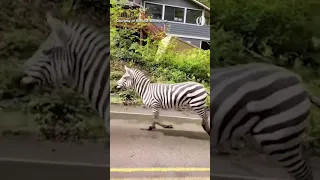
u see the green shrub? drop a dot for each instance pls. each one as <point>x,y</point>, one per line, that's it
<point>284,32</point>
<point>116,75</point>
<point>113,88</point>
<point>314,124</point>
<point>168,74</point>
<point>280,30</point>
<point>130,98</point>
<point>194,63</point>
<point>64,117</point>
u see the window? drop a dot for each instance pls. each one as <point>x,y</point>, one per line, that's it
<point>174,14</point>
<point>207,21</point>
<point>154,10</point>
<point>205,45</point>
<point>192,16</point>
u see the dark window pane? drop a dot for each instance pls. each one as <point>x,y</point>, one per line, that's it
<point>192,16</point>
<point>174,14</point>
<point>205,45</point>
<point>207,21</point>
<point>154,10</point>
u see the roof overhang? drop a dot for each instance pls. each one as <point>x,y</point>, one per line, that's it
<point>200,4</point>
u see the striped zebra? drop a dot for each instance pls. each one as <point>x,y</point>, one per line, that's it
<point>267,105</point>
<point>166,96</point>
<point>75,54</point>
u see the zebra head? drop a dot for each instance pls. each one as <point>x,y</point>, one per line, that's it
<point>38,70</point>
<point>126,81</point>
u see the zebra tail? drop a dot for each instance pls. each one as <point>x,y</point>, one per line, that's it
<point>208,93</point>
<point>315,100</point>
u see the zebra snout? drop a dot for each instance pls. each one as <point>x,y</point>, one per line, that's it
<point>118,86</point>
<point>27,82</point>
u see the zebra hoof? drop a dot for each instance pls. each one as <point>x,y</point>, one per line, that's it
<point>151,128</point>
<point>221,153</point>
<point>168,126</point>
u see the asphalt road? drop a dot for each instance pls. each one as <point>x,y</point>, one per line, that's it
<point>179,153</point>
<point>29,159</point>
<point>164,154</point>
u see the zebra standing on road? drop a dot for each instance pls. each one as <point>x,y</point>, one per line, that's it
<point>266,103</point>
<point>166,96</point>
<point>76,54</point>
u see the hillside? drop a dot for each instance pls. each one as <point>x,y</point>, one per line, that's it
<point>22,28</point>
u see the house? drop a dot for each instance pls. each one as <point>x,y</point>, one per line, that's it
<point>188,20</point>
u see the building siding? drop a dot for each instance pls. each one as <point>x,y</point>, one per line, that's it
<point>195,42</point>
<point>182,28</point>
<point>186,29</point>
<point>182,3</point>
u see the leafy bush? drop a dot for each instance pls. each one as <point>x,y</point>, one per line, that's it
<point>195,64</point>
<point>59,117</point>
<point>229,48</point>
<point>282,25</point>
<point>284,32</point>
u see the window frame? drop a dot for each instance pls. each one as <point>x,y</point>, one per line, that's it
<point>183,17</point>
<point>185,12</point>
<point>202,13</point>
<point>162,15</point>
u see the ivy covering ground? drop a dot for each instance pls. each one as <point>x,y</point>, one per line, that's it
<point>285,33</point>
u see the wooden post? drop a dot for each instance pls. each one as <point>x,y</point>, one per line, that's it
<point>141,36</point>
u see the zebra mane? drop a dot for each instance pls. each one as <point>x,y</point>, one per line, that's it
<point>71,25</point>
<point>138,71</point>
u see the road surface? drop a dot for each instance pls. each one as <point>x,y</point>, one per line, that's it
<point>29,159</point>
<point>173,154</point>
<point>179,153</point>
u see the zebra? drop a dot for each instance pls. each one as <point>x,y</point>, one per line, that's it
<point>166,96</point>
<point>268,106</point>
<point>75,54</point>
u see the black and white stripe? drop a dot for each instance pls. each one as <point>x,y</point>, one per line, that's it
<point>167,96</point>
<point>76,54</point>
<point>266,103</point>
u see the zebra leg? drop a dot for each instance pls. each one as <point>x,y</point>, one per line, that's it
<point>232,146</point>
<point>156,117</point>
<point>288,154</point>
<point>202,112</point>
<point>223,149</point>
<point>251,144</point>
<point>205,122</point>
<point>155,121</point>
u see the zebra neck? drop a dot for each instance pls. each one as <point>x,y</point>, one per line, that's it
<point>142,87</point>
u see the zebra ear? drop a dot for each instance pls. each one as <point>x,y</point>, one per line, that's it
<point>57,26</point>
<point>126,68</point>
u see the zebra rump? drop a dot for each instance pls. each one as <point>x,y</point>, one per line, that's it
<point>266,103</point>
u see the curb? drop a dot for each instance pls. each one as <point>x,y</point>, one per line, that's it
<point>149,117</point>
